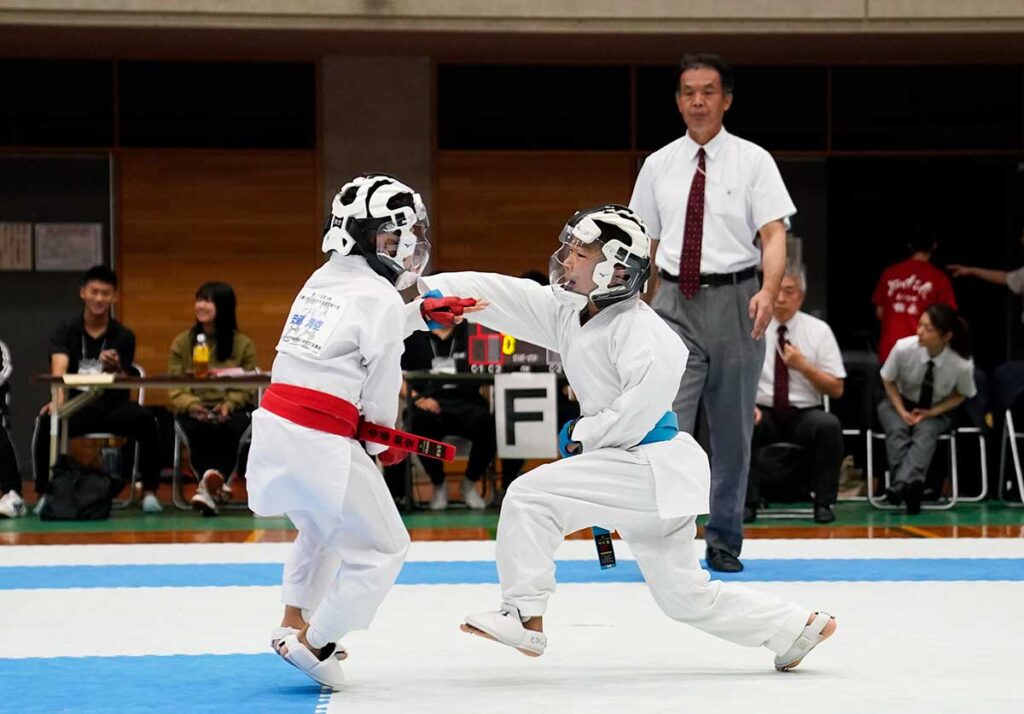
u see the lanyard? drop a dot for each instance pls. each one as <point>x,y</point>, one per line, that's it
<point>103,343</point>
<point>433,347</point>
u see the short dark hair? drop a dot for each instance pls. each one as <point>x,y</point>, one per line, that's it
<point>101,274</point>
<point>695,60</point>
<point>922,240</point>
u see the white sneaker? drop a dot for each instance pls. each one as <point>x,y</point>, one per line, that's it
<point>12,505</point>
<point>204,499</point>
<point>506,626</point>
<point>327,672</point>
<point>40,502</point>
<point>471,498</point>
<point>440,500</point>
<point>151,504</point>
<point>809,638</point>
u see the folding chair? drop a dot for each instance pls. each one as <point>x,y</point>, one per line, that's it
<point>1010,438</point>
<point>951,438</point>
<point>177,474</point>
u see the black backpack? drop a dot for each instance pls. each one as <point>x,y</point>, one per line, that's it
<point>78,493</point>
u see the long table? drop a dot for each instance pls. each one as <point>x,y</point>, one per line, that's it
<point>90,392</point>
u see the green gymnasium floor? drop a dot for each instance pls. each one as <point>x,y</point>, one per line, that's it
<point>854,519</point>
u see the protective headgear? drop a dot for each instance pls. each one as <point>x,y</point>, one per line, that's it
<point>379,217</point>
<point>617,271</point>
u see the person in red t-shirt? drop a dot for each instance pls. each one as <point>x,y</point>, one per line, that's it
<point>906,289</point>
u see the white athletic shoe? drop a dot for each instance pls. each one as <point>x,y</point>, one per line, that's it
<point>327,672</point>
<point>471,498</point>
<point>506,626</point>
<point>40,502</point>
<point>12,505</point>
<point>810,638</point>
<point>151,504</point>
<point>210,486</point>
<point>440,500</point>
<point>281,633</point>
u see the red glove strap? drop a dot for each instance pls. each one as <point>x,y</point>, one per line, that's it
<point>392,456</point>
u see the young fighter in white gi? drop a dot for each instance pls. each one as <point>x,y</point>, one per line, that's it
<point>632,470</point>
<point>338,367</point>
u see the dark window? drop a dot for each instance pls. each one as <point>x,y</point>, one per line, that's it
<point>56,103</point>
<point>533,107</point>
<point>218,105</point>
<point>968,107</point>
<point>779,108</point>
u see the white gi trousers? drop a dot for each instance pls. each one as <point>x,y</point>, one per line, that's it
<point>342,567</point>
<point>614,489</point>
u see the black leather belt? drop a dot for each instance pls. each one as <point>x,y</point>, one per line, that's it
<point>714,280</point>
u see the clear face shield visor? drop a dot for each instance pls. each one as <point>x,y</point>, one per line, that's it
<point>571,268</point>
<point>405,248</point>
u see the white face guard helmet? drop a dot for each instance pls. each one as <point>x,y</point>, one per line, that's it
<point>379,217</point>
<point>604,257</point>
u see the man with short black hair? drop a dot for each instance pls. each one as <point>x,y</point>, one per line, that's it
<point>94,342</point>
<point>706,198</point>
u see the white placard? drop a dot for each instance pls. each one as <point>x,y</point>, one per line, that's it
<point>526,415</point>
<point>68,246</point>
<point>15,246</point>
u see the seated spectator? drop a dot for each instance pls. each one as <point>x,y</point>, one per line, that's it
<point>802,361</point>
<point>213,419</point>
<point>925,378</point>
<point>11,503</point>
<point>93,342</point>
<point>906,289</point>
<point>441,409</point>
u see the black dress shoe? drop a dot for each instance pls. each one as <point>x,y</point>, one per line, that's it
<point>723,561</point>
<point>914,491</point>
<point>823,514</point>
<point>749,514</point>
<point>895,494</point>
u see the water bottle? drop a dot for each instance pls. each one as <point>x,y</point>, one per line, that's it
<point>200,356</point>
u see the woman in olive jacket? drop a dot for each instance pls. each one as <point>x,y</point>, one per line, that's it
<point>214,420</point>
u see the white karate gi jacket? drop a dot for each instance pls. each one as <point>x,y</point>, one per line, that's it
<point>344,336</point>
<point>624,364</point>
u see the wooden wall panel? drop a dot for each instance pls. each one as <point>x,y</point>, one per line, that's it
<point>503,211</point>
<point>250,219</point>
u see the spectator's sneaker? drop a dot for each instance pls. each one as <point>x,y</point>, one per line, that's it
<point>471,498</point>
<point>506,626</point>
<point>440,500</point>
<point>40,502</point>
<point>204,499</point>
<point>151,504</point>
<point>12,505</point>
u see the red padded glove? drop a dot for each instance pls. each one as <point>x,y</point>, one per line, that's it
<point>391,456</point>
<point>442,311</point>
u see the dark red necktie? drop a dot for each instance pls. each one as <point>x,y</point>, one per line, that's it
<point>780,392</point>
<point>693,233</point>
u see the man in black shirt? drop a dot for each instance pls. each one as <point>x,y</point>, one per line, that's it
<point>448,408</point>
<point>95,342</point>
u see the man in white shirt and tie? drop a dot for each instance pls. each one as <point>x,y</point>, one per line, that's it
<point>707,197</point>
<point>802,362</point>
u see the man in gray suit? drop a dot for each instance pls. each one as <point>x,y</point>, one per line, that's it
<point>707,197</point>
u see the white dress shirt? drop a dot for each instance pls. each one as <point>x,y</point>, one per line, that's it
<point>908,362</point>
<point>815,339</point>
<point>743,192</point>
